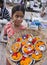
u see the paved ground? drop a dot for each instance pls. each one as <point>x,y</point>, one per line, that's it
<point>2,55</point>
<point>45,63</point>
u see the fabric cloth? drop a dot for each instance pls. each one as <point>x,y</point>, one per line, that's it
<point>5,14</point>
<point>9,30</point>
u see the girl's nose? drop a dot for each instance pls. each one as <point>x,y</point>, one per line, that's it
<point>19,18</point>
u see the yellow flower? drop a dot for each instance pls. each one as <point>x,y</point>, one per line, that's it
<point>15,47</point>
<point>26,61</point>
<point>37,57</point>
<point>17,56</point>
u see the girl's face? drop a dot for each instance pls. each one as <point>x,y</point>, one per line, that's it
<point>17,18</point>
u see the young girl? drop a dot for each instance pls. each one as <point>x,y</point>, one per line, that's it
<point>16,24</point>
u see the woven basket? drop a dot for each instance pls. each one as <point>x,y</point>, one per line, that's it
<point>27,31</point>
<point>34,33</point>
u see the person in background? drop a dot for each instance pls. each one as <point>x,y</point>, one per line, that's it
<point>21,2</point>
<point>44,8</point>
<point>4,14</point>
<point>17,23</point>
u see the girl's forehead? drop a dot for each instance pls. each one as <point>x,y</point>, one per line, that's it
<point>18,13</point>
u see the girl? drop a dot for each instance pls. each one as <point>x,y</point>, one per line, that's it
<point>16,24</point>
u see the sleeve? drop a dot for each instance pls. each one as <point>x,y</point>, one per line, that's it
<point>6,14</point>
<point>6,27</point>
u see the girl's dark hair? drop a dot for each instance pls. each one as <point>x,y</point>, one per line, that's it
<point>18,8</point>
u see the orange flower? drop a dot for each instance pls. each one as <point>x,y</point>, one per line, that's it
<point>16,56</point>
<point>23,43</point>
<point>28,48</point>
<point>15,47</point>
<point>27,61</point>
<point>37,57</point>
<point>39,43</point>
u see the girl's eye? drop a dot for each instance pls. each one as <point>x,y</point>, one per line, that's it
<point>18,16</point>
